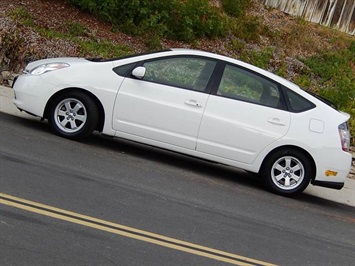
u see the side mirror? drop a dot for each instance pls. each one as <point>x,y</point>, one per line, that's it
<point>139,72</point>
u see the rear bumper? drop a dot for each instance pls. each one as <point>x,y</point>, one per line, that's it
<point>333,166</point>
<point>328,184</point>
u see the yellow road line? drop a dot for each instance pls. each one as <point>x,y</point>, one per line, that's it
<point>127,231</point>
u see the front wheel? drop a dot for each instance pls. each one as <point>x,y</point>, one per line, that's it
<point>287,172</point>
<point>73,115</point>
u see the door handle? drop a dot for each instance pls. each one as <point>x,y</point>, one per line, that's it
<point>276,121</point>
<point>193,103</point>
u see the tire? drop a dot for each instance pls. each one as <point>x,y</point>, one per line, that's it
<point>287,172</point>
<point>73,115</point>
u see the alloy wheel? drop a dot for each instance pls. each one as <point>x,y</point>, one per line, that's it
<point>70,115</point>
<point>287,173</point>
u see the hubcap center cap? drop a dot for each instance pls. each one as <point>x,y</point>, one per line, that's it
<point>70,115</point>
<point>287,172</point>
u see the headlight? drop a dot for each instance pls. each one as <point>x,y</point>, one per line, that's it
<point>41,69</point>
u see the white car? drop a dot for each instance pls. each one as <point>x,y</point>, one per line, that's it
<point>197,103</point>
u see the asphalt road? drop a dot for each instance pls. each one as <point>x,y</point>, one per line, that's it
<point>148,195</point>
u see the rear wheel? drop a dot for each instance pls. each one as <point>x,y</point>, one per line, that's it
<point>287,172</point>
<point>73,115</point>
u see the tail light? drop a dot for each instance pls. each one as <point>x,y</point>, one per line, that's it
<point>344,134</point>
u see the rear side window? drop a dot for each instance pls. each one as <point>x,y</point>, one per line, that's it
<point>244,85</point>
<point>296,103</point>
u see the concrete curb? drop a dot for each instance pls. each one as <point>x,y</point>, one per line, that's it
<point>344,196</point>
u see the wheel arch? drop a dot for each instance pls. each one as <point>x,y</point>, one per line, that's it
<point>100,124</point>
<point>292,147</point>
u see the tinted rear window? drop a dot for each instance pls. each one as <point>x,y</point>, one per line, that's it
<point>296,103</point>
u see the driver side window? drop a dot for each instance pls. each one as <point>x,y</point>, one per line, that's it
<point>187,73</point>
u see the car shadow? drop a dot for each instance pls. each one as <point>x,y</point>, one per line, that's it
<point>174,159</point>
<point>146,152</point>
<point>222,173</point>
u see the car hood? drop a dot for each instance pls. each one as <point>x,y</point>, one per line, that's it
<point>69,60</point>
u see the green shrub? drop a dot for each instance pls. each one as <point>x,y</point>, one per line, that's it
<point>235,8</point>
<point>22,15</point>
<point>175,19</point>
<point>261,58</point>
<point>102,49</point>
<point>76,29</point>
<point>337,78</point>
<point>195,19</point>
<point>303,81</point>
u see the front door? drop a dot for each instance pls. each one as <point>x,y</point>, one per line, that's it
<point>167,104</point>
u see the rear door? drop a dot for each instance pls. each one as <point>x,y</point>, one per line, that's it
<point>245,114</point>
<point>167,104</point>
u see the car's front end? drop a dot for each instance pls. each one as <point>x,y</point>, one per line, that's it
<point>32,88</point>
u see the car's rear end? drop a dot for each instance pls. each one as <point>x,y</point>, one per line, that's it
<point>334,159</point>
<point>328,136</point>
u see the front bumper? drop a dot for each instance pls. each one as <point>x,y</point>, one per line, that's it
<point>31,94</point>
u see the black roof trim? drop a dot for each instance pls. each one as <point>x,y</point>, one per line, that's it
<point>324,100</point>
